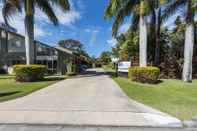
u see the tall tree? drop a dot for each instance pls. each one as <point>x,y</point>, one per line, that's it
<point>156,21</point>
<point>71,44</point>
<point>105,57</point>
<point>189,9</point>
<point>10,7</point>
<point>74,45</point>
<point>138,10</point>
<point>127,45</point>
<point>143,33</point>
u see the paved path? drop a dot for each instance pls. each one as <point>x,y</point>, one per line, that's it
<point>93,99</point>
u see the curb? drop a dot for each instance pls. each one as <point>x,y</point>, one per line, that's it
<point>24,127</point>
<point>190,124</point>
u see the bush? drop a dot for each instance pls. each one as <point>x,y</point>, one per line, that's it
<point>171,68</point>
<point>29,73</point>
<point>144,74</point>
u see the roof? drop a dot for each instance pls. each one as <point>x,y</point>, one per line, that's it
<point>64,50</point>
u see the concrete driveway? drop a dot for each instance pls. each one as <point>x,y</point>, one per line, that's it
<point>91,99</point>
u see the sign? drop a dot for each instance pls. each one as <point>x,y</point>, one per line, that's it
<point>124,66</point>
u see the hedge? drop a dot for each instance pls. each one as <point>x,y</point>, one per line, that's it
<point>29,73</point>
<point>144,74</point>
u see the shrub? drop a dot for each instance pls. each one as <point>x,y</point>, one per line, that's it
<point>171,68</point>
<point>144,74</point>
<point>29,73</point>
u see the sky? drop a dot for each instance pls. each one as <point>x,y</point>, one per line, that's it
<point>84,22</point>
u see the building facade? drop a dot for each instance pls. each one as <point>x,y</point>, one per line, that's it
<point>12,51</point>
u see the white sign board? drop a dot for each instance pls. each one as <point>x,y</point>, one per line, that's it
<point>124,66</point>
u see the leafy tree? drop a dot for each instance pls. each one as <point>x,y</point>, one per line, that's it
<point>189,11</point>
<point>105,57</point>
<point>10,7</point>
<point>156,21</point>
<point>177,39</point>
<point>73,45</point>
<point>138,10</point>
<point>128,45</point>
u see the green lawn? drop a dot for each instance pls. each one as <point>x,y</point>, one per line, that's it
<point>9,89</point>
<point>172,96</point>
<point>108,68</point>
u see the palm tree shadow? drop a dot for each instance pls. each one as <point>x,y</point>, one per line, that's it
<point>53,78</point>
<point>2,94</point>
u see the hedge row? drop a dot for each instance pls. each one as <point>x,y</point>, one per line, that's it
<point>144,74</point>
<point>29,73</point>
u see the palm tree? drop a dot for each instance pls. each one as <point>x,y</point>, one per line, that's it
<point>189,12</point>
<point>138,10</point>
<point>157,21</point>
<point>143,33</point>
<point>12,6</point>
<point>120,9</point>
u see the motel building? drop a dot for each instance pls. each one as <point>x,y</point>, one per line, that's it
<point>12,51</point>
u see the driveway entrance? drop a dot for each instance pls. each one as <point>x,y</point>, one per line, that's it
<point>90,99</point>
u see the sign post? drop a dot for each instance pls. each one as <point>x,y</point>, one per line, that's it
<point>115,61</point>
<point>116,73</point>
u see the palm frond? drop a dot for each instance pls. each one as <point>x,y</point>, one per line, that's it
<point>117,22</point>
<point>172,8</point>
<point>135,21</point>
<point>121,14</point>
<point>45,6</point>
<point>10,7</point>
<point>63,4</point>
<point>112,8</point>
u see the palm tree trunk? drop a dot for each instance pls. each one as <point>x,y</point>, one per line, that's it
<point>188,53</point>
<point>29,39</point>
<point>157,35</point>
<point>143,42</point>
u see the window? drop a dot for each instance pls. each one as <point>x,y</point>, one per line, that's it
<point>16,43</point>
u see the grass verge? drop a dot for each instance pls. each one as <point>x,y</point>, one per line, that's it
<point>171,96</point>
<point>9,89</point>
<point>174,97</point>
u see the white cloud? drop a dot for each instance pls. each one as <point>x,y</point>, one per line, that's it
<point>39,32</point>
<point>95,31</point>
<point>18,23</point>
<point>93,38</point>
<point>124,27</point>
<point>92,30</point>
<point>67,19</point>
<point>87,30</point>
<point>112,42</point>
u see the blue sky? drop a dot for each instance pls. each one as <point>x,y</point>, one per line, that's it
<point>84,22</point>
